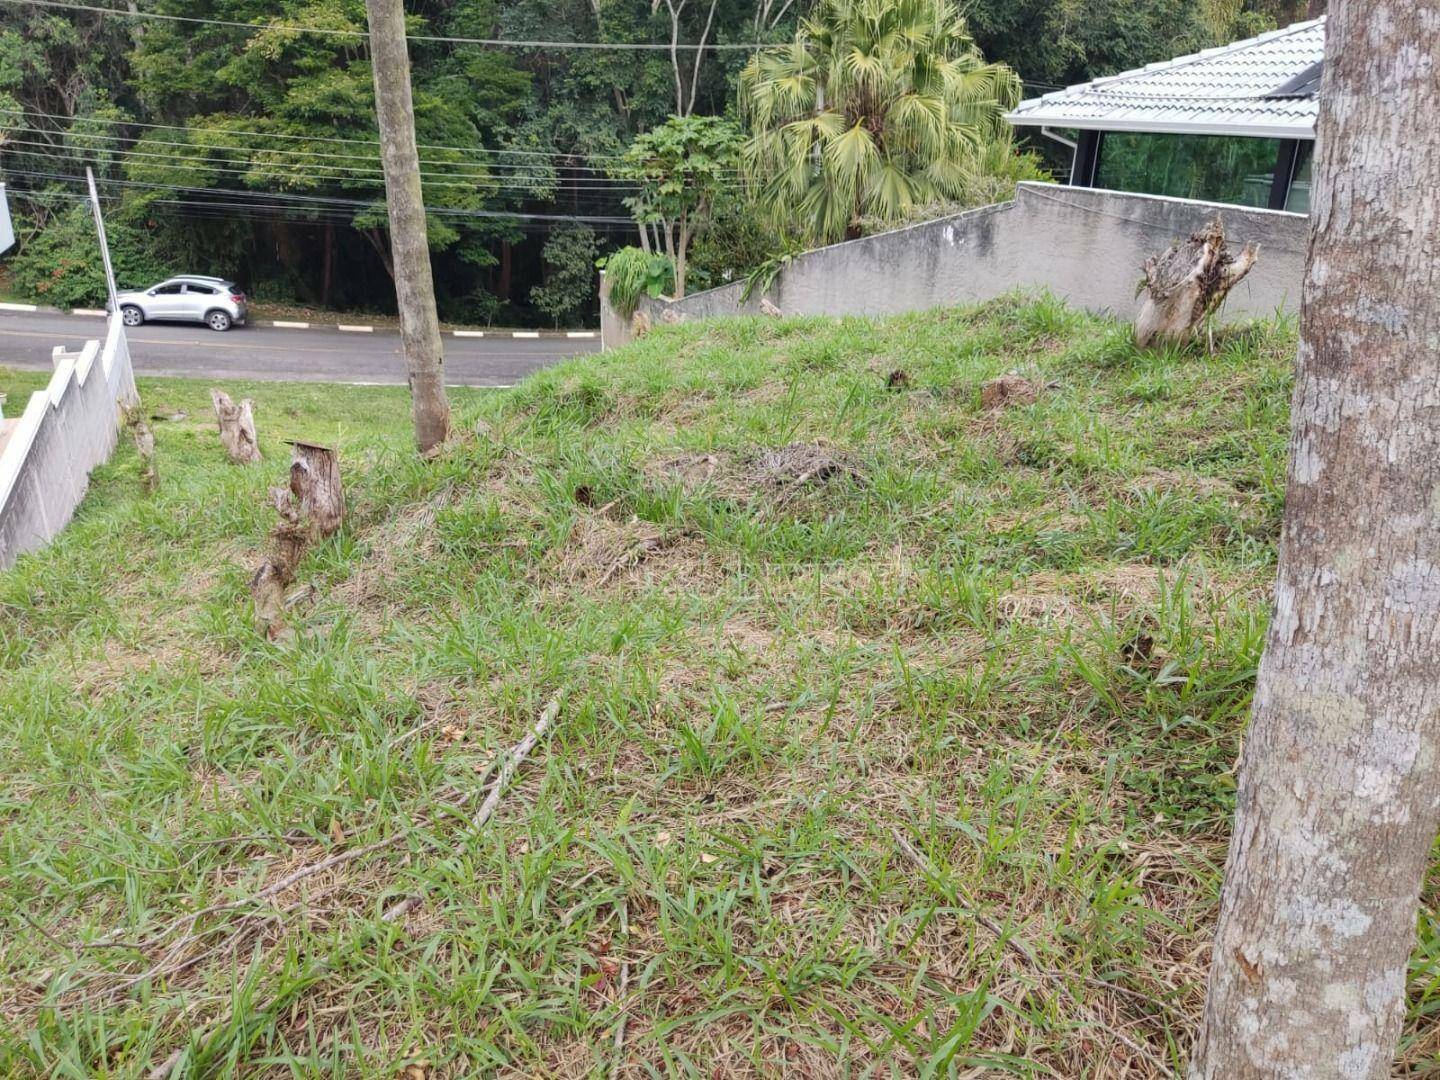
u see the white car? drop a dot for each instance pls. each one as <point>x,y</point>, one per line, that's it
<point>217,303</point>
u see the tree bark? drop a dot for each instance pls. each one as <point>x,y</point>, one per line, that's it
<point>1339,795</point>
<point>409,248</point>
<point>310,509</point>
<point>237,427</point>
<point>682,251</point>
<point>1187,283</point>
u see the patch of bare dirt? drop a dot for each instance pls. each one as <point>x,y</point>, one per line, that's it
<point>1008,390</point>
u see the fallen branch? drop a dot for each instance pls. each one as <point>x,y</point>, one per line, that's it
<point>1023,950</point>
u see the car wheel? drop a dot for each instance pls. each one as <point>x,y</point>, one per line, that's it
<point>131,315</point>
<point>217,320</point>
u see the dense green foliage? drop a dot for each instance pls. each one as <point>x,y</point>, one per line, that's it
<point>682,167</point>
<point>249,150</point>
<point>569,273</point>
<point>878,106</point>
<point>633,272</point>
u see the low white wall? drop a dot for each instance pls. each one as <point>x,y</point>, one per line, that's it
<point>66,430</point>
<point>1083,244</point>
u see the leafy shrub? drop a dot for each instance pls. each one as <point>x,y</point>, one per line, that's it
<point>61,264</point>
<point>633,273</point>
<point>569,273</point>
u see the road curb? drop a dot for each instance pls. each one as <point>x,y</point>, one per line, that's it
<point>14,307</point>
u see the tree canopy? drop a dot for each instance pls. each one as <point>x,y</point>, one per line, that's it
<point>250,150</point>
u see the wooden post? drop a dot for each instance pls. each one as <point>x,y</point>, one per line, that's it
<point>310,509</point>
<point>237,427</point>
<point>409,248</point>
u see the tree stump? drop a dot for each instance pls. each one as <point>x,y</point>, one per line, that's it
<point>144,447</point>
<point>315,482</point>
<point>237,427</point>
<point>310,509</point>
<point>1188,283</point>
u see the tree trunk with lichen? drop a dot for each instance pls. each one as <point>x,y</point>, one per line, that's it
<point>1187,283</point>
<point>310,509</point>
<point>237,427</point>
<point>1339,797</point>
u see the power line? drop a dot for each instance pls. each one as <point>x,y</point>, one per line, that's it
<point>306,138</point>
<point>338,173</point>
<point>324,201</point>
<point>330,31</point>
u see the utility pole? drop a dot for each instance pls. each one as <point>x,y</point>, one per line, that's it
<point>409,248</point>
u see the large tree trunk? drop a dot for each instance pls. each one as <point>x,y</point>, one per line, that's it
<point>409,249</point>
<point>1187,283</point>
<point>1340,777</point>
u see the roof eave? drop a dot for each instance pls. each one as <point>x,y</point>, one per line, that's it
<point>1165,127</point>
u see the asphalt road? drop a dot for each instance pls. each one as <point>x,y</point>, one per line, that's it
<point>322,354</point>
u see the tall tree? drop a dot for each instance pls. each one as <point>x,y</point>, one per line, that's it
<point>410,252</point>
<point>1339,797</point>
<point>877,106</point>
<point>681,166</point>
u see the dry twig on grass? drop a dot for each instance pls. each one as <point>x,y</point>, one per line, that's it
<point>396,911</point>
<point>174,959</point>
<point>1023,950</point>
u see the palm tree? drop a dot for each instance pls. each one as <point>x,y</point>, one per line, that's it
<point>878,106</point>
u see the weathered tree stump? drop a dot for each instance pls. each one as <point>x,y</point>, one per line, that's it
<point>144,447</point>
<point>310,509</point>
<point>315,481</point>
<point>237,427</point>
<point>1187,283</point>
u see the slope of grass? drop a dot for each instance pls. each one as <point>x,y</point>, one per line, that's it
<point>896,734</point>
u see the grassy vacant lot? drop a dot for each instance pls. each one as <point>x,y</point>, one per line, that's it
<point>896,732</point>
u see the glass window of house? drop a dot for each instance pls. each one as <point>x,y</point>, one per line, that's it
<point>1298,198</point>
<point>1216,168</point>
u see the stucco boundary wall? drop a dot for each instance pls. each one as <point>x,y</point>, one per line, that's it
<point>1084,245</point>
<point>65,431</point>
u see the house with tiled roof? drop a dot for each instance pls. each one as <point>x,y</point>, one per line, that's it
<point>1235,124</point>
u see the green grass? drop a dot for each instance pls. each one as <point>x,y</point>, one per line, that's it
<point>1022,641</point>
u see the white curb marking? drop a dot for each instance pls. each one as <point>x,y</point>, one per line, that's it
<point>291,325</point>
<point>525,333</point>
<point>580,333</point>
<point>19,307</point>
<point>88,311</point>
<point>468,333</point>
<point>355,329</point>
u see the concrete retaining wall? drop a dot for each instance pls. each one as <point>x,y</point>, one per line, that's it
<point>66,430</point>
<point>1083,244</point>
